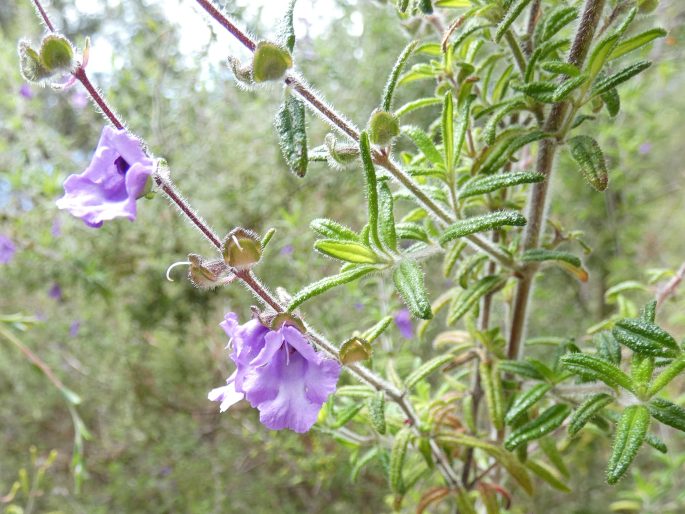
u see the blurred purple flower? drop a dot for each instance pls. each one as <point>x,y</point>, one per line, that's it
<point>114,180</point>
<point>55,292</point>
<point>404,324</point>
<point>645,148</point>
<point>25,91</point>
<point>79,99</point>
<point>278,372</point>
<point>74,328</point>
<point>287,250</point>
<point>359,306</point>
<point>7,249</point>
<point>56,229</point>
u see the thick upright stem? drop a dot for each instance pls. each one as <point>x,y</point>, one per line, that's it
<point>537,200</point>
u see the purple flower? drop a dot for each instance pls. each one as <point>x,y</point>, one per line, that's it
<point>79,99</point>
<point>278,372</point>
<point>645,148</point>
<point>74,328</point>
<point>55,292</point>
<point>404,324</point>
<point>25,91</point>
<point>7,249</point>
<point>114,180</point>
<point>56,229</point>
<point>287,250</point>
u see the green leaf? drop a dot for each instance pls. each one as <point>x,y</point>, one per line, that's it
<point>462,125</point>
<point>372,334</point>
<point>648,313</point>
<point>610,82</point>
<point>525,401</point>
<point>348,251</point>
<point>424,143</point>
<point>548,421</point>
<point>587,410</point>
<point>376,406</point>
<point>453,3</point>
<point>667,413</point>
<point>548,446</point>
<point>506,459</point>
<point>333,230</point>
<point>541,255</point>
<point>547,474</point>
<point>490,129</point>
<point>386,218</point>
<point>292,134</point>
<point>598,369</point>
<point>427,368</point>
<point>323,285</point>
<point>656,443</point>
<point>286,34</point>
<point>362,461</point>
<point>345,415</point>
<point>494,396</point>
<point>542,91</point>
<point>482,223</point>
<point>411,231</point>
<point>56,53</point>
<point>630,434</point>
<point>561,68</point>
<point>452,256</point>
<point>416,104</point>
<point>567,87</point>
<point>389,89</point>
<point>557,21</point>
<point>607,347</point>
<point>397,457</point>
<point>500,157</point>
<point>514,12</point>
<point>667,375</point>
<point>448,130</point>
<point>612,100</point>
<point>371,187</point>
<point>590,159</point>
<point>636,42</point>
<point>600,54</point>
<point>644,337</point>
<point>409,281</point>
<point>490,183</point>
<point>523,368</point>
<point>464,302</point>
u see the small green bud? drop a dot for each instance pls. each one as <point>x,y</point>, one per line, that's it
<point>30,65</point>
<point>647,6</point>
<point>270,62</point>
<point>56,53</point>
<point>340,155</point>
<point>383,127</point>
<point>355,350</point>
<point>208,274</point>
<point>241,249</point>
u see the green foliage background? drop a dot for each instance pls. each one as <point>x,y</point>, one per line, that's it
<point>148,350</point>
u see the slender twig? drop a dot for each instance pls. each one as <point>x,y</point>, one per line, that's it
<point>537,199</point>
<point>670,287</point>
<point>44,15</point>
<point>533,18</point>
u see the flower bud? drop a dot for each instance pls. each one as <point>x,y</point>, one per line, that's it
<point>340,155</point>
<point>208,274</point>
<point>383,127</point>
<point>354,350</point>
<point>241,249</point>
<point>56,53</point>
<point>270,62</point>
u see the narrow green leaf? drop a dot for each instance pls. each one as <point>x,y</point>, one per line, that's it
<point>542,91</point>
<point>557,21</point>
<point>389,90</point>
<point>630,434</point>
<point>346,415</point>
<point>667,413</point>
<point>371,187</point>
<point>590,366</point>
<point>499,158</point>
<point>376,406</point>
<point>525,401</point>
<point>506,459</point>
<point>656,443</point>
<point>333,230</point>
<point>548,421</point>
<point>612,100</point>
<point>648,313</point>
<point>452,256</point>
<point>636,42</point>
<point>523,368</point>
<point>490,183</point>
<point>607,347</point>
<point>600,54</point>
<point>386,218</point>
<point>547,474</point>
<point>424,143</point>
<point>348,251</point>
<point>397,457</point>
<point>448,131</point>
<point>453,3</point>
<point>644,337</point>
<point>372,334</point>
<point>464,502</point>
<point>409,281</point>
<point>490,129</point>
<point>548,445</point>
<point>361,462</point>
<point>464,302</point>
<point>462,125</point>
<point>482,223</point>
<point>327,283</point>
<point>292,134</point>
<point>510,17</point>
<point>568,86</point>
<point>427,368</point>
<point>590,159</point>
<point>416,104</point>
<point>541,255</point>
<point>494,396</point>
<point>286,35</point>
<point>667,375</point>
<point>561,68</point>
<point>411,231</point>
<point>610,82</point>
<point>587,410</point>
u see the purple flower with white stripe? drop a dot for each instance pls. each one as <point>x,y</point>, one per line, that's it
<point>278,372</point>
<point>116,177</point>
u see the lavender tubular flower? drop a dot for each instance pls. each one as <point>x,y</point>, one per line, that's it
<point>7,249</point>
<point>279,373</point>
<point>116,177</point>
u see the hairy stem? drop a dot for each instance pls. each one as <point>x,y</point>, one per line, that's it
<point>537,200</point>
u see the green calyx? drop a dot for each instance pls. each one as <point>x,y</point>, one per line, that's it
<point>270,62</point>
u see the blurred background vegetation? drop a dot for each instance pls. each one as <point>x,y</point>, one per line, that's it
<point>142,352</point>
